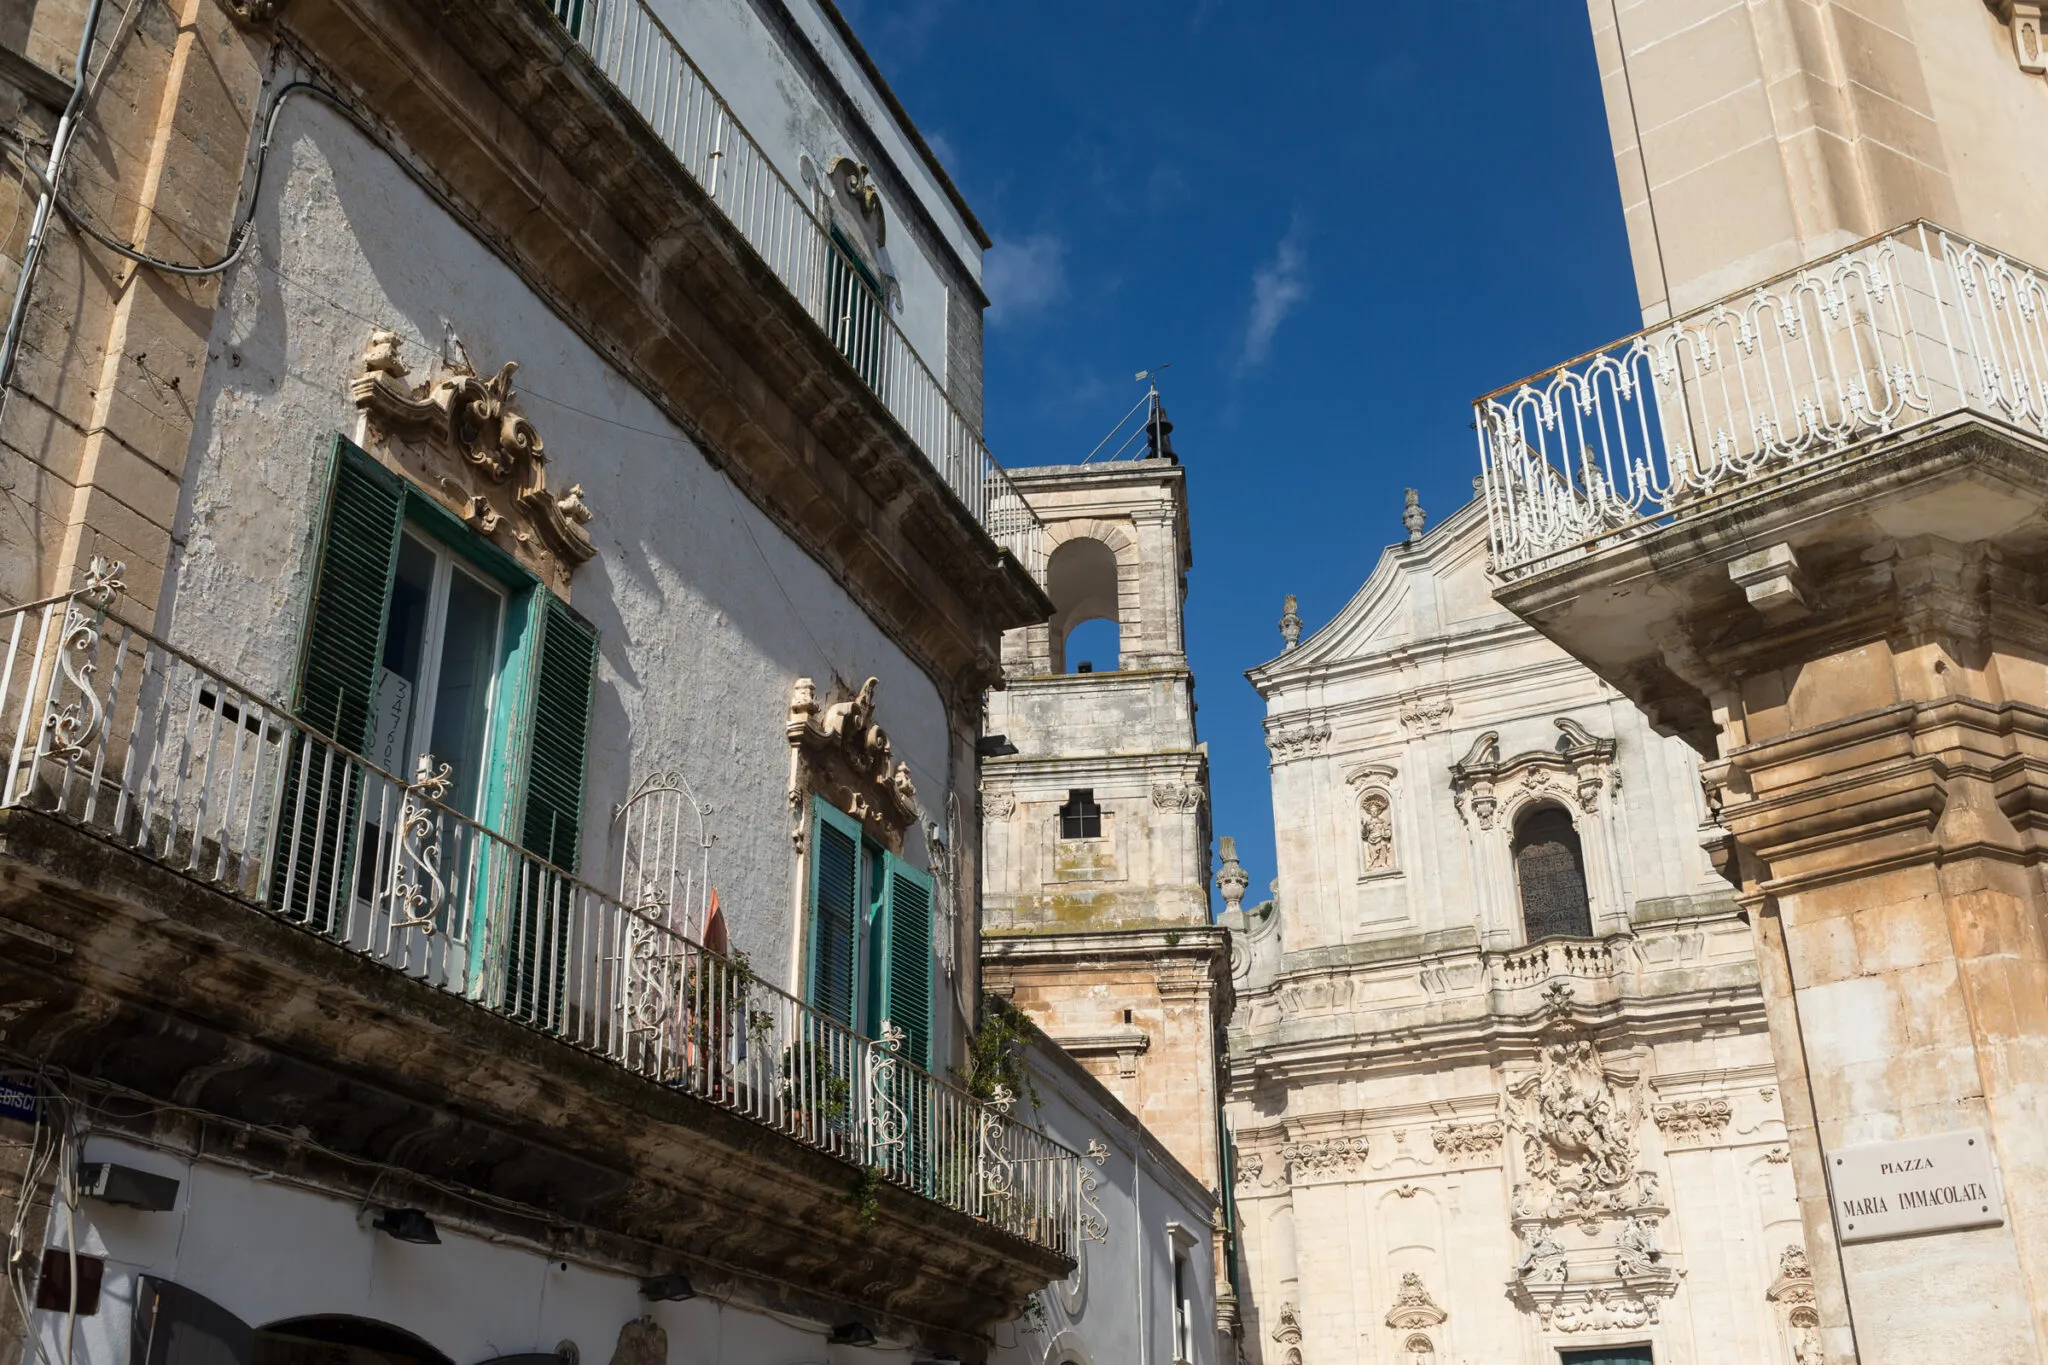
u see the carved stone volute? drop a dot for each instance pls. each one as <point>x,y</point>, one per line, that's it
<point>842,755</point>
<point>464,440</point>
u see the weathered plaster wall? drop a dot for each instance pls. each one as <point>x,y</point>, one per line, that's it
<point>1117,1306</point>
<point>706,612</point>
<point>777,100</point>
<point>267,1251</point>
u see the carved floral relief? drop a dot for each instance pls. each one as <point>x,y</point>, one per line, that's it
<point>839,752</point>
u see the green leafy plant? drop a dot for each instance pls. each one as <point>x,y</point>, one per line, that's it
<point>995,1054</point>
<point>867,1201</point>
<point>1173,938</point>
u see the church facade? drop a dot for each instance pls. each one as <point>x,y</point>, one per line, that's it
<point>1500,1083</point>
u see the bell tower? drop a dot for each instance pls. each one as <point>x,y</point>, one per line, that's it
<point>1096,828</point>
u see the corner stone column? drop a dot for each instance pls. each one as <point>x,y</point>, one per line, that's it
<point>1864,658</point>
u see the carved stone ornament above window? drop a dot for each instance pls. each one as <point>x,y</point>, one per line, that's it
<point>463,439</point>
<point>1578,771</point>
<point>1413,1306</point>
<point>837,752</point>
<point>2024,19</point>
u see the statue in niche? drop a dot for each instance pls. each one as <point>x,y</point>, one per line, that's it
<point>1376,829</point>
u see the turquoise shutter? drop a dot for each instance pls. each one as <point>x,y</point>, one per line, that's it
<point>564,682</point>
<point>342,646</point>
<point>835,908</point>
<point>907,956</point>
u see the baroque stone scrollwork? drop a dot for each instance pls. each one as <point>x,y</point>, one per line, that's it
<point>1600,1310</point>
<point>837,751</point>
<point>1579,770</point>
<point>1426,712</point>
<point>1413,1307</point>
<point>2024,18</point>
<point>1578,1121</point>
<point>1693,1120</point>
<point>1287,1332</point>
<point>999,803</point>
<point>1792,1293</point>
<point>1304,740</point>
<point>459,427</point>
<point>1637,1249</point>
<point>1459,1140</point>
<point>1324,1156</point>
<point>1181,796</point>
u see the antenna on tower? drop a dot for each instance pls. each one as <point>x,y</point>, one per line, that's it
<point>1153,427</point>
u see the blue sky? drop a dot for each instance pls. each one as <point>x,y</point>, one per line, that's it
<point>1339,222</point>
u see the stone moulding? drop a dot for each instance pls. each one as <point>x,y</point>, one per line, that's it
<point>458,428</point>
<point>2024,18</point>
<point>1413,1307</point>
<point>1304,740</point>
<point>839,753</point>
<point>1461,1141</point>
<point>1578,771</point>
<point>1693,1120</point>
<point>1324,1156</point>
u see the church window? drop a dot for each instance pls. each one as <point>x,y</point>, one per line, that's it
<point>1081,818</point>
<point>1550,870</point>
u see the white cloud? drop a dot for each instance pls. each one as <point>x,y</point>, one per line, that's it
<point>1277,288</point>
<point>1023,276</point>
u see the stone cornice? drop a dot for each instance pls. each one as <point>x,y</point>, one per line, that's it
<point>281,1031</point>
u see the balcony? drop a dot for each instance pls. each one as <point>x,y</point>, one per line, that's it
<point>643,60</point>
<point>1760,392</point>
<point>117,734</point>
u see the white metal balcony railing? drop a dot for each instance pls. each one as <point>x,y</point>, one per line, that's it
<point>117,732</point>
<point>646,63</point>
<point>1725,401</point>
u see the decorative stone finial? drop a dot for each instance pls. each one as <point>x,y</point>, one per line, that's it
<point>1413,517</point>
<point>1290,622</point>
<point>1231,879</point>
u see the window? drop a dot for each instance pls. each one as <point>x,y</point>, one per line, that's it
<point>1608,1355</point>
<point>870,942</point>
<point>853,302</point>
<point>1081,818</point>
<point>1550,871</point>
<point>1183,1319</point>
<point>424,637</point>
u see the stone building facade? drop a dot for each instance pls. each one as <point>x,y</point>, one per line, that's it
<point>1827,583</point>
<point>504,580</point>
<point>1500,1081</point>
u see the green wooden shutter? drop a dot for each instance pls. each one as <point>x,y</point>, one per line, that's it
<point>564,682</point>
<point>835,909</point>
<point>907,956</point>
<point>565,679</point>
<point>343,645</point>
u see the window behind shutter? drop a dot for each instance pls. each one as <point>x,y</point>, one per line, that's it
<point>343,645</point>
<point>907,958</point>
<point>564,680</point>
<point>835,907</point>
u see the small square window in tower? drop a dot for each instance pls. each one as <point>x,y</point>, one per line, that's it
<point>1081,818</point>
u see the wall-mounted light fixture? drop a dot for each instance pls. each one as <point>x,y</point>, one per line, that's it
<point>128,1187</point>
<point>668,1289</point>
<point>404,1225</point>
<point>852,1334</point>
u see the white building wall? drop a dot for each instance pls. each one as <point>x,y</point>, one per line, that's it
<point>1117,1307</point>
<point>268,1251</point>
<point>773,94</point>
<point>706,612</point>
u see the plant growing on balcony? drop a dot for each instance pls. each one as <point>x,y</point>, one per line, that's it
<point>995,1054</point>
